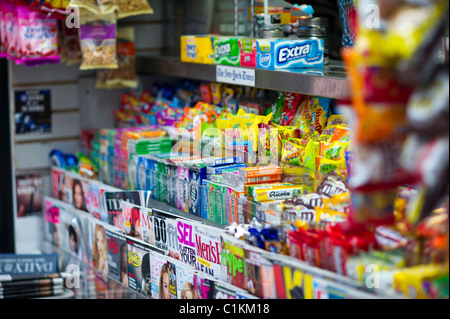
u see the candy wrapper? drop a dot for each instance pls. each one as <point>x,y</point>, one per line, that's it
<point>125,75</point>
<point>133,7</point>
<point>98,41</point>
<point>290,105</point>
<point>108,6</point>
<point>37,40</point>
<point>320,113</point>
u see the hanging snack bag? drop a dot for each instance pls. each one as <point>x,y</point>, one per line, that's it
<point>91,5</point>
<point>125,75</point>
<point>70,45</point>
<point>98,41</point>
<point>3,38</point>
<point>108,6</point>
<point>37,38</point>
<point>133,7</point>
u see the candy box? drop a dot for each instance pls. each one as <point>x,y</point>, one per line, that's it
<point>289,54</point>
<point>197,49</point>
<point>247,48</point>
<point>226,51</point>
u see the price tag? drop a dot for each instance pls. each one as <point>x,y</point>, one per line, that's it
<point>234,75</point>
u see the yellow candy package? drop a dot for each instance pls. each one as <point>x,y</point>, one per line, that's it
<point>320,113</point>
<point>337,119</point>
<point>292,153</point>
<point>333,151</point>
<point>339,202</point>
<point>304,112</point>
<point>327,166</point>
<point>308,159</point>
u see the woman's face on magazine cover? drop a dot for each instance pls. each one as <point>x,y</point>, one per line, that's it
<point>166,286</point>
<point>188,295</point>
<point>100,242</point>
<point>78,196</point>
<point>73,243</point>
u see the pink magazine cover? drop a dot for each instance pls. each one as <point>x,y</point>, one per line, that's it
<point>159,276</point>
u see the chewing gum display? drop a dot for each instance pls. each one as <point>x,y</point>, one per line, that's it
<point>248,52</point>
<point>226,51</point>
<point>258,174</point>
<point>289,54</point>
<point>197,49</point>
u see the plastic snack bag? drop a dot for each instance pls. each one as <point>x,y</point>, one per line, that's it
<point>37,38</point>
<point>90,5</point>
<point>108,6</point>
<point>98,41</point>
<point>70,45</point>
<point>133,7</point>
<point>125,75</point>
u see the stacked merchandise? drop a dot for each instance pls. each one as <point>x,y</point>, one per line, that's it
<point>30,276</point>
<point>35,32</point>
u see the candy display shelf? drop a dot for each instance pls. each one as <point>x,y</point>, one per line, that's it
<point>329,82</point>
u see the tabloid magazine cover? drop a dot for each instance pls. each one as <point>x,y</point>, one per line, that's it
<point>173,250</point>
<point>52,223</point>
<point>186,242</point>
<point>98,257</point>
<point>159,276</point>
<point>259,275</point>
<point>207,245</point>
<point>138,258</point>
<point>114,204</point>
<point>138,222</point>
<point>117,264</point>
<point>185,281</point>
<point>233,263</point>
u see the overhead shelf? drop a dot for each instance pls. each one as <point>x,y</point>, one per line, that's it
<point>329,82</point>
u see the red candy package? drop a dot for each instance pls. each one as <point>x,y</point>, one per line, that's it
<point>290,105</point>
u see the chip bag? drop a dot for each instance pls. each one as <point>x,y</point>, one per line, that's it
<point>98,41</point>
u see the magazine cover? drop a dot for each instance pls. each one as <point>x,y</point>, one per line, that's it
<point>207,250</point>
<point>186,242</point>
<point>51,223</point>
<point>80,189</point>
<point>57,176</point>
<point>66,188</point>
<point>204,287</point>
<point>160,233</point>
<point>185,281</point>
<point>159,276</point>
<point>138,258</point>
<point>114,205</point>
<point>117,265</point>
<point>292,283</point>
<point>234,269</point>
<point>260,281</point>
<point>65,218</point>
<point>172,276</point>
<point>172,239</point>
<point>224,291</point>
<point>138,222</point>
<point>29,193</point>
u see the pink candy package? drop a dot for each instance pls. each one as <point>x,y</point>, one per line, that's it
<point>10,28</point>
<point>37,40</point>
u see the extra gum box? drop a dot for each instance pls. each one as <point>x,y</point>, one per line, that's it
<point>197,49</point>
<point>289,54</point>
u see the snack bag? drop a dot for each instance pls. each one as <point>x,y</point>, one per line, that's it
<point>277,108</point>
<point>70,45</point>
<point>290,105</point>
<point>11,29</point>
<point>125,75</point>
<point>320,113</point>
<point>98,41</point>
<point>37,38</point>
<point>108,6</point>
<point>90,5</point>
<point>337,166</point>
<point>133,7</point>
<point>3,37</point>
<point>304,112</point>
<point>292,153</point>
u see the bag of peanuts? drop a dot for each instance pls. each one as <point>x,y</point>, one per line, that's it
<point>98,41</point>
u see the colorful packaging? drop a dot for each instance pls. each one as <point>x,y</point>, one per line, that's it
<point>197,49</point>
<point>289,54</point>
<point>248,52</point>
<point>276,193</point>
<point>320,114</point>
<point>226,51</point>
<point>98,41</point>
<point>251,174</point>
<point>128,8</point>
